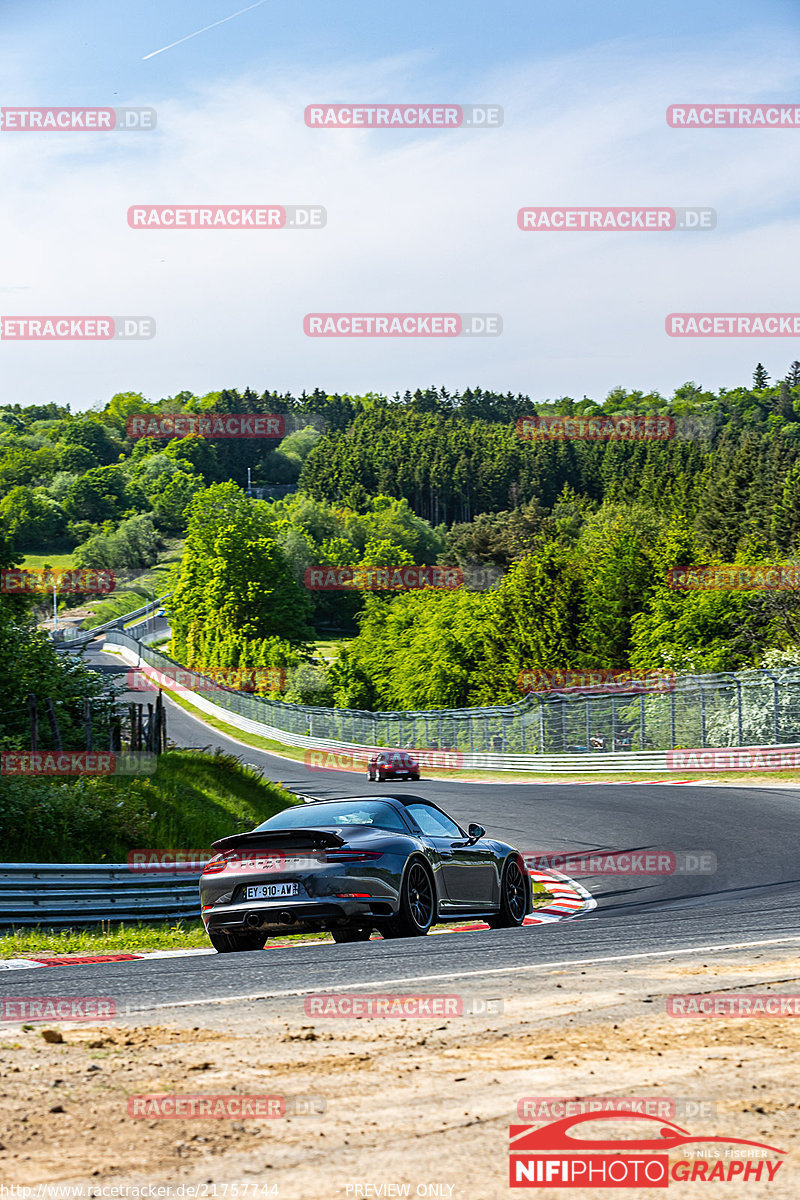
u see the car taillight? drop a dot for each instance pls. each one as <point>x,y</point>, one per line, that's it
<point>349,856</point>
<point>215,865</point>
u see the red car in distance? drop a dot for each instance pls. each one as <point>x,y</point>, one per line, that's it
<point>392,764</point>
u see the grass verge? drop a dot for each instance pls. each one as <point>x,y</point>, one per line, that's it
<point>190,801</point>
<point>56,560</point>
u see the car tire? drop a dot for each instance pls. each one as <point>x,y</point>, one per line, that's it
<point>414,778</point>
<point>513,898</point>
<point>370,776</point>
<point>381,777</point>
<point>234,943</point>
<point>351,933</point>
<point>417,903</point>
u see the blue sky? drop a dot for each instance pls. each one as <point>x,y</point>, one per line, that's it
<point>416,221</point>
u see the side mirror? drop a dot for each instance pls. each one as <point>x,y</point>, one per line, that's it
<point>475,832</point>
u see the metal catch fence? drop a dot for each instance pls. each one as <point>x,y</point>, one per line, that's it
<point>749,708</point>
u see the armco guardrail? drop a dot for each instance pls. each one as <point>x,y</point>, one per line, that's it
<point>62,894</point>
<point>75,639</point>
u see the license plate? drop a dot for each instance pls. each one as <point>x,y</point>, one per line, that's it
<point>270,891</point>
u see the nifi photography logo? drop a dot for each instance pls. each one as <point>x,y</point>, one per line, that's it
<point>659,1152</point>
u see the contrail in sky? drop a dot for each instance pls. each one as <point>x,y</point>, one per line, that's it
<point>203,30</point>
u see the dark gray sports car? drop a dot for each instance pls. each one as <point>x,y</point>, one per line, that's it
<point>397,864</point>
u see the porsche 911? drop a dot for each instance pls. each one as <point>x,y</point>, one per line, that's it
<point>392,864</point>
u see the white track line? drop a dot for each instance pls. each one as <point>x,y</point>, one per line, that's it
<point>468,973</point>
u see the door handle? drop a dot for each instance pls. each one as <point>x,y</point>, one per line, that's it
<point>445,853</point>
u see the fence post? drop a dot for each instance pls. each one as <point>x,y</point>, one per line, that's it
<point>776,711</point>
<point>739,708</point>
<point>541,725</point>
<point>587,703</point>
<point>702,716</point>
<point>672,718</point>
<point>51,716</point>
<point>563,725</point>
<point>641,721</point>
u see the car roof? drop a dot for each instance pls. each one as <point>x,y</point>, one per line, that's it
<point>404,800</point>
<point>397,801</point>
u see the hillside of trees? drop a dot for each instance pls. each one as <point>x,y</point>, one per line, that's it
<point>565,545</point>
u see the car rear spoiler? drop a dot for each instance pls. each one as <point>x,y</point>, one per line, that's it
<point>279,838</point>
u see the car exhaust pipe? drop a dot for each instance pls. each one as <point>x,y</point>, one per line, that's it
<point>252,920</point>
<point>286,918</point>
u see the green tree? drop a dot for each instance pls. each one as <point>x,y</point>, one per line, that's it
<point>102,494</point>
<point>235,587</point>
<point>31,519</point>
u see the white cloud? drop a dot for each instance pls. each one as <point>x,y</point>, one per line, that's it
<point>415,223</point>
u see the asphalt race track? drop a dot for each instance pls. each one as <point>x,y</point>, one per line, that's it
<point>752,897</point>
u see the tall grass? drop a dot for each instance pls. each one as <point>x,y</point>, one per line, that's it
<point>190,801</point>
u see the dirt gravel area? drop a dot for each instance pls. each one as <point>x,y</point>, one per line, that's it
<point>415,1106</point>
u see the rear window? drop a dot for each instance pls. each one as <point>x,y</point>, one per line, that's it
<point>336,813</point>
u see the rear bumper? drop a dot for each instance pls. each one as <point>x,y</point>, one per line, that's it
<point>289,916</point>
